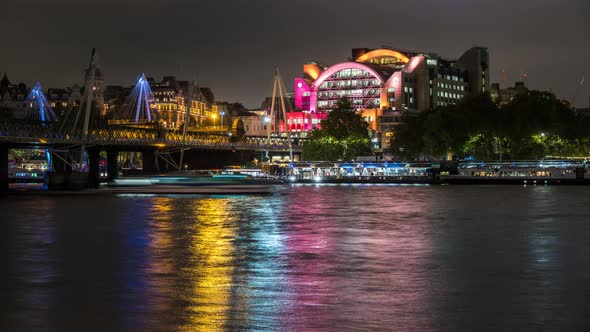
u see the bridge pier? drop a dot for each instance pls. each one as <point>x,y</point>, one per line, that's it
<point>93,167</point>
<point>161,165</point>
<point>148,159</point>
<point>112,164</point>
<point>3,168</point>
<point>59,176</point>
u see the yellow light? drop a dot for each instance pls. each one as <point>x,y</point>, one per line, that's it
<point>212,248</point>
<point>382,53</point>
<point>214,116</point>
<point>160,145</point>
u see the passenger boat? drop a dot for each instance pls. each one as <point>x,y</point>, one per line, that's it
<point>193,184</point>
<point>521,172</point>
<point>361,172</point>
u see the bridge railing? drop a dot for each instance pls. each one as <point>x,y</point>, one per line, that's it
<point>23,132</point>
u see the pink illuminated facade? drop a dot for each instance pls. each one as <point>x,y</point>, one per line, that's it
<point>381,80</point>
<point>387,78</point>
<point>304,121</point>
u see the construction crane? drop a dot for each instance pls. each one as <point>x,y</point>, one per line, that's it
<point>577,92</point>
<point>525,78</point>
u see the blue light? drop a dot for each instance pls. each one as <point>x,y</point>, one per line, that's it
<point>139,102</point>
<point>38,107</point>
<point>48,155</point>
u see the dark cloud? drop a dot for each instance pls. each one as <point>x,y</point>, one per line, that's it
<point>233,46</point>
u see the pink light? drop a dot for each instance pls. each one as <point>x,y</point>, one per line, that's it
<point>293,119</point>
<point>415,62</point>
<point>303,91</point>
<point>341,66</point>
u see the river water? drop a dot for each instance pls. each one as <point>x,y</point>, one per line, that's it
<point>305,258</point>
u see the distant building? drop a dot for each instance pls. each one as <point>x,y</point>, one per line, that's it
<point>504,96</point>
<point>302,122</point>
<point>584,111</point>
<point>12,96</point>
<point>256,123</point>
<point>169,101</point>
<point>58,98</point>
<point>388,78</point>
<point>387,123</point>
<point>383,80</point>
<point>169,95</point>
<point>98,88</point>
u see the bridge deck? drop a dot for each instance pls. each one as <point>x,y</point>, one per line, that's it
<point>47,136</point>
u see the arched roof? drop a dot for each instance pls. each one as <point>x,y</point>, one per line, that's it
<point>382,52</point>
<point>346,65</point>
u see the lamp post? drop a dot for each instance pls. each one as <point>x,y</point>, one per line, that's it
<point>214,116</point>
<point>222,114</point>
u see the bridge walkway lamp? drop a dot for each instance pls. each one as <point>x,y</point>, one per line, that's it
<point>214,116</point>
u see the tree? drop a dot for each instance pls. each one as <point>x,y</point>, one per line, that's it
<point>533,125</point>
<point>407,143</point>
<point>343,135</point>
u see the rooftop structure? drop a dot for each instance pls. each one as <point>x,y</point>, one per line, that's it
<point>504,96</point>
<point>384,80</point>
<point>388,78</point>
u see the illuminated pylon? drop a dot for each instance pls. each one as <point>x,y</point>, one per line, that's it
<point>139,102</point>
<point>270,120</point>
<point>37,108</point>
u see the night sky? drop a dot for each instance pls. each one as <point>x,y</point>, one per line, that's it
<point>233,46</point>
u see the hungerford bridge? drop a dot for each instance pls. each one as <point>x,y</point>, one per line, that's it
<point>74,140</point>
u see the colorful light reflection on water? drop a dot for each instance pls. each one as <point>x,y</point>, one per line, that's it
<point>307,258</point>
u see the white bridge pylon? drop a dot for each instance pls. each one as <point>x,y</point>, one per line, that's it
<point>278,86</point>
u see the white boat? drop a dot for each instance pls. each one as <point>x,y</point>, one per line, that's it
<point>192,184</point>
<point>518,172</point>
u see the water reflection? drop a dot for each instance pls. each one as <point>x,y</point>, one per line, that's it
<point>162,264</point>
<point>210,266</point>
<point>344,260</point>
<point>259,284</point>
<point>307,258</point>
<point>35,271</point>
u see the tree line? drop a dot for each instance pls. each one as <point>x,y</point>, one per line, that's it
<point>344,135</point>
<point>534,125</point>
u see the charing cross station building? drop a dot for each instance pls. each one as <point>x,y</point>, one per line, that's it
<point>383,83</point>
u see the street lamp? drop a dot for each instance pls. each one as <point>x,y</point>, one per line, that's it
<point>222,114</point>
<point>214,116</point>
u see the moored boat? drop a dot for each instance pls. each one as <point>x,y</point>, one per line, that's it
<point>521,172</point>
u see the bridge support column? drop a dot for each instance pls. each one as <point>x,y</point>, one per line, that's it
<point>112,166</point>
<point>148,158</point>
<point>3,168</point>
<point>59,176</point>
<point>161,165</point>
<point>93,168</point>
